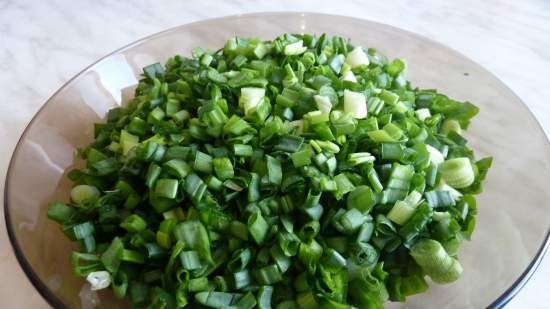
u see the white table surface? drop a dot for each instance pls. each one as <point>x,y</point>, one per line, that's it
<point>45,43</point>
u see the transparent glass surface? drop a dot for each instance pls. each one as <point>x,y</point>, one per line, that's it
<point>514,215</point>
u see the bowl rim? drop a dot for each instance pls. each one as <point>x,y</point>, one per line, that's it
<point>55,302</point>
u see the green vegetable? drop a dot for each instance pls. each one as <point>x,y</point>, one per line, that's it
<point>435,261</point>
<point>457,173</point>
<point>300,172</point>
<point>84,193</point>
<point>403,210</point>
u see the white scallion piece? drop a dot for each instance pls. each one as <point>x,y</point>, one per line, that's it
<point>250,98</point>
<point>355,103</point>
<point>295,48</point>
<point>349,76</point>
<point>422,113</point>
<point>357,57</point>
<point>99,279</point>
<point>457,173</point>
<point>436,157</point>
<point>323,103</point>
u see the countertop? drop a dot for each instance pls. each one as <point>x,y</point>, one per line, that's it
<point>44,43</point>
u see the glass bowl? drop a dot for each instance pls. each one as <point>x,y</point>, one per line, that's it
<point>513,220</point>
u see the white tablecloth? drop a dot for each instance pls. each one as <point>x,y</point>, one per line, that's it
<point>44,43</point>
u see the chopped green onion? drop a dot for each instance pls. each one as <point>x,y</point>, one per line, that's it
<point>99,280</point>
<point>203,162</point>
<point>83,230</point>
<point>316,117</point>
<point>295,48</point>
<point>455,194</point>
<point>274,172</point>
<point>223,168</point>
<point>436,157</point>
<point>120,284</point>
<point>215,299</point>
<point>300,172</point>
<point>195,236</point>
<point>258,228</point>
<point>343,185</point>
<point>306,300</point>
<point>166,188</point>
<point>190,260</point>
<point>361,198</point>
<point>178,167</point>
<point>251,99</point>
<point>388,97</point>
<point>60,213</point>
<point>241,150</point>
<point>403,210</point>
<point>350,77</point>
<point>134,223</point>
<point>235,125</point>
<point>422,113</point>
<point>434,260</point>
<point>438,199</point>
<point>289,243</point>
<point>323,103</point>
<point>450,125</point>
<point>248,301</point>
<point>195,187</point>
<point>265,294</point>
<point>396,67</point>
<point>355,103</point>
<point>290,143</point>
<point>357,57</point>
<point>83,193</point>
<point>457,173</point>
<point>360,158</point>
<point>268,275</point>
<point>301,158</point>
<point>132,256</point>
<point>128,141</point>
<point>242,279</point>
<point>112,257</point>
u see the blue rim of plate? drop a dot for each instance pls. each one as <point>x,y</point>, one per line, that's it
<point>55,302</point>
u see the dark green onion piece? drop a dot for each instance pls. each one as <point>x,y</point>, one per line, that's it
<point>190,260</point>
<point>215,299</point>
<point>112,257</point>
<point>134,223</point>
<point>59,212</point>
<point>289,143</point>
<point>195,236</point>
<point>257,227</point>
<point>167,188</point>
<point>120,284</point>
<point>268,274</point>
<point>241,150</point>
<point>274,172</point>
<point>361,198</point>
<point>203,162</point>
<point>195,187</point>
<point>223,168</point>
<point>242,279</point>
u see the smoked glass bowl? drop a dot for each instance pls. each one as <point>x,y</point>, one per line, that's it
<point>514,211</point>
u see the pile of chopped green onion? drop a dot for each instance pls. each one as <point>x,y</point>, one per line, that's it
<point>302,172</point>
